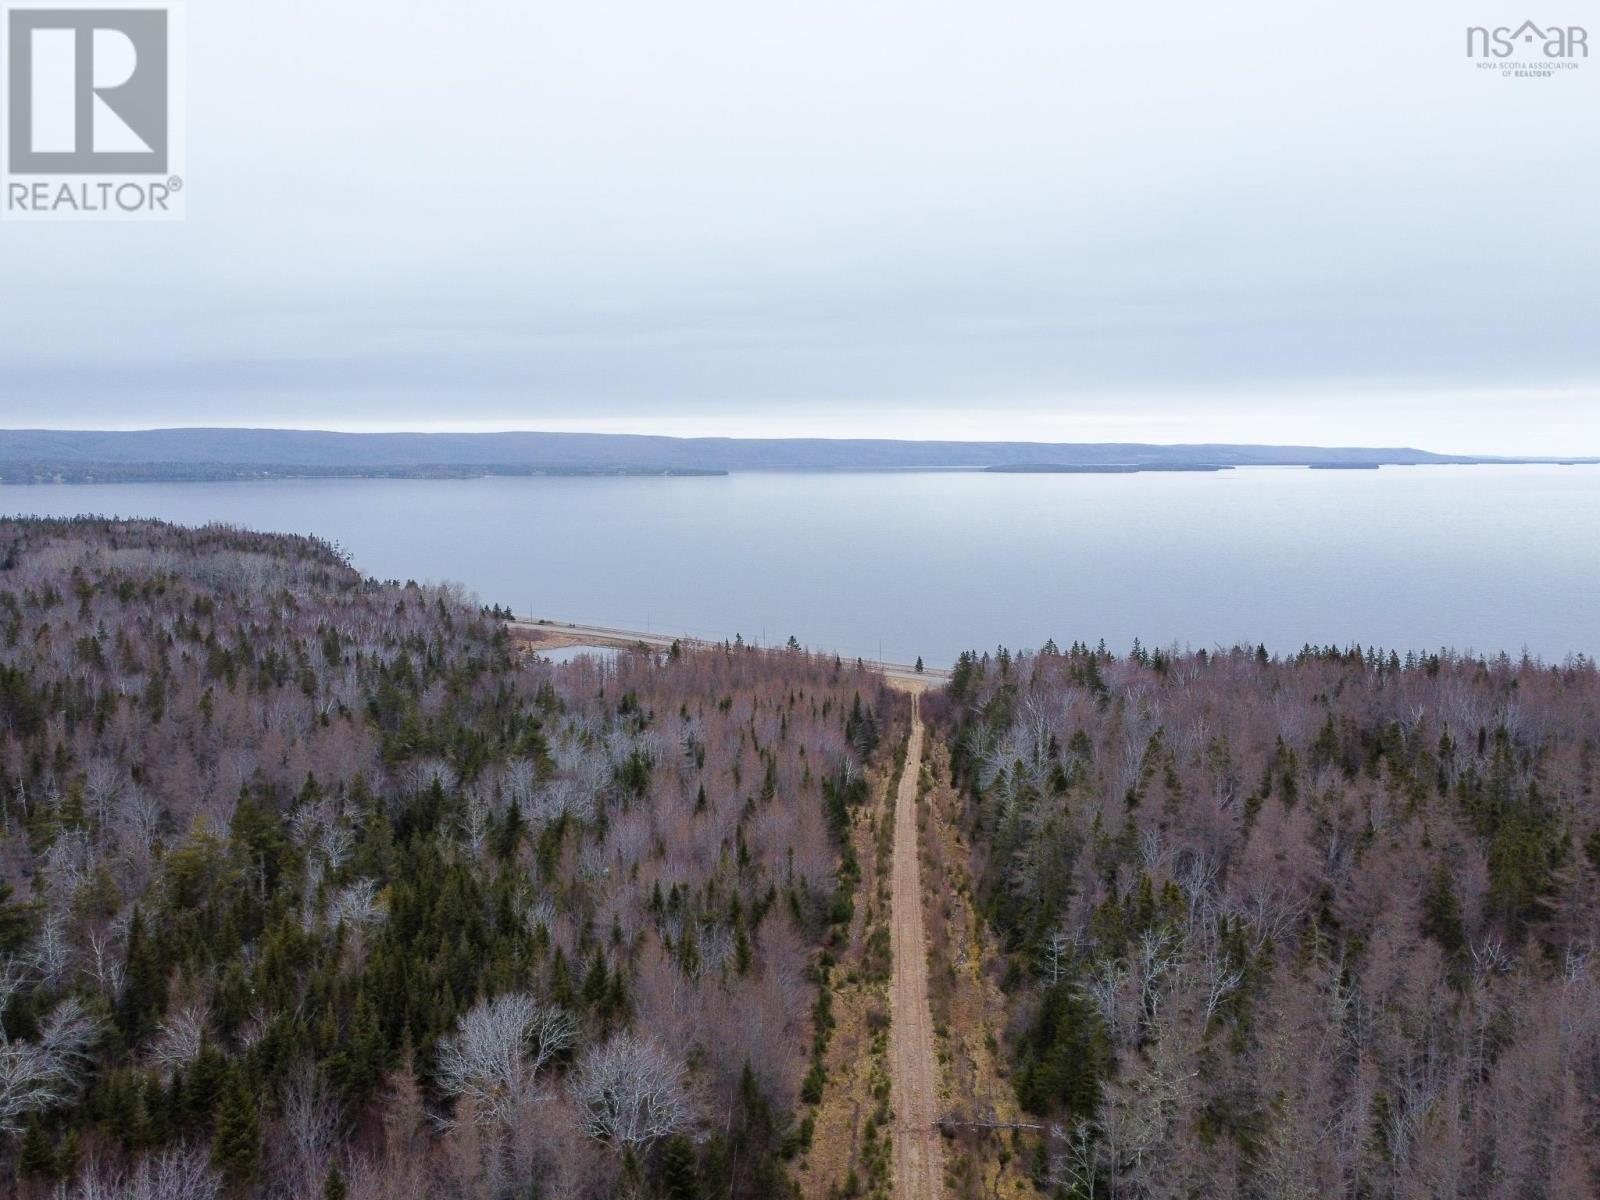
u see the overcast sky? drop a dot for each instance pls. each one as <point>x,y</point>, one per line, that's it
<point>1169,221</point>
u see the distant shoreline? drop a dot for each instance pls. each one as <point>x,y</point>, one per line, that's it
<point>52,474</point>
<point>200,454</point>
<point>68,474</point>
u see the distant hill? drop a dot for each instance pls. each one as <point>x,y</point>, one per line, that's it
<point>228,453</point>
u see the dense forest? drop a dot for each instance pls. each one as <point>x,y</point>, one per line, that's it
<point>1322,926</point>
<point>316,886</point>
<point>312,885</point>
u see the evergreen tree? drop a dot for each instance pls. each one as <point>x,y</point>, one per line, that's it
<point>1064,1055</point>
<point>144,991</point>
<point>200,1089</point>
<point>16,922</point>
<point>679,1178</point>
<point>1441,912</point>
<point>236,1148</point>
<point>37,1156</point>
<point>596,982</point>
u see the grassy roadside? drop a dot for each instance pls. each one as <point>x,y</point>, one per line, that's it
<point>968,1007</point>
<point>847,1153</point>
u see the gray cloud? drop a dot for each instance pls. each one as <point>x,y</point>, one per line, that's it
<point>717,215</point>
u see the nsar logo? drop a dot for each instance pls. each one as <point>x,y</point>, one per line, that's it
<point>1528,51</point>
<point>94,110</point>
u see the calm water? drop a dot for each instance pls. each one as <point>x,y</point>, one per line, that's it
<point>567,654</point>
<point>1486,558</point>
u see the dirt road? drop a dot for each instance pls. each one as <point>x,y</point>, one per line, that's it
<point>913,1068</point>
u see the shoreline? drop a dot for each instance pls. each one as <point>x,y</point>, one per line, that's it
<point>534,632</point>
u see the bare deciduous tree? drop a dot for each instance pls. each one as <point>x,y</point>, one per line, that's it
<point>1061,948</point>
<point>630,1092</point>
<point>37,1074</point>
<point>179,1038</point>
<point>308,1132</point>
<point>494,1057</point>
<point>356,905</point>
<point>183,1174</point>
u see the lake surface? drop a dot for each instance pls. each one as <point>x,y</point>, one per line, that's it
<point>1486,558</point>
